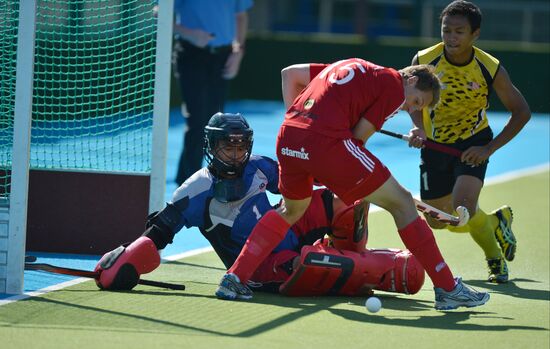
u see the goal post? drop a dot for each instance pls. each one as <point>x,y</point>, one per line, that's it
<point>16,205</point>
<point>161,111</point>
<point>94,166</point>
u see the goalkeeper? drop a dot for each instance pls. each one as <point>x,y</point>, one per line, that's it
<point>226,199</point>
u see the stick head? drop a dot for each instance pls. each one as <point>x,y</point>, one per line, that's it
<point>463,215</point>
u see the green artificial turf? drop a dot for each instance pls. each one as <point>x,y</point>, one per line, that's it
<point>517,316</point>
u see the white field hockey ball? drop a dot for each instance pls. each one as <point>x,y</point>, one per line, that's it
<point>373,304</point>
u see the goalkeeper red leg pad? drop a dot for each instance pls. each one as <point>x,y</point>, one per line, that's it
<point>325,271</point>
<point>406,275</point>
<point>349,227</point>
<point>322,270</point>
<point>120,268</point>
<point>266,235</point>
<point>276,268</point>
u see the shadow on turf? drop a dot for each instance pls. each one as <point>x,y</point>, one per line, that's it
<point>449,320</point>
<point>454,320</point>
<point>301,307</point>
<point>512,289</point>
<point>170,324</point>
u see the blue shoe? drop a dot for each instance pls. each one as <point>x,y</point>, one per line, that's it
<point>503,232</point>
<point>231,288</point>
<point>498,270</point>
<point>461,296</point>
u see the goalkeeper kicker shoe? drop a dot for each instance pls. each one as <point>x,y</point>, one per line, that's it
<point>503,232</point>
<point>498,270</point>
<point>231,288</point>
<point>461,296</point>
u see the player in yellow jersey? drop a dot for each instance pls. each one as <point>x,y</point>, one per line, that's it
<point>468,76</point>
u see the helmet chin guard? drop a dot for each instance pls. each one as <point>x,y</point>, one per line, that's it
<point>233,129</point>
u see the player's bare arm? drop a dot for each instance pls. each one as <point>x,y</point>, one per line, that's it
<point>294,79</point>
<point>363,130</point>
<point>514,102</point>
<point>242,29</point>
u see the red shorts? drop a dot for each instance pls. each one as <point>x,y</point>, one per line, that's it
<point>344,166</point>
<point>312,226</point>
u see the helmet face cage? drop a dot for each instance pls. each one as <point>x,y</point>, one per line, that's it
<point>233,129</point>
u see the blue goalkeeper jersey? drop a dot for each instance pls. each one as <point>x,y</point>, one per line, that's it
<point>228,225</point>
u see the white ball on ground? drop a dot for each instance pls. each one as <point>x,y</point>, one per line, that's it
<point>373,304</point>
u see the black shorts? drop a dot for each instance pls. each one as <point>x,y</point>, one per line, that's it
<point>439,171</point>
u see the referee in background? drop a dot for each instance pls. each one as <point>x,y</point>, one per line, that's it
<point>209,47</point>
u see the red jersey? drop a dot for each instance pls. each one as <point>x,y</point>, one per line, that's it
<point>341,93</point>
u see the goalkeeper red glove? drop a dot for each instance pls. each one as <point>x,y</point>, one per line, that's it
<point>120,268</point>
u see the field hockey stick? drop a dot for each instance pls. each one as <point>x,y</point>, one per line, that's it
<point>462,219</point>
<point>427,143</point>
<point>92,274</point>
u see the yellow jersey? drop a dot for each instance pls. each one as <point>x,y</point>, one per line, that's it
<point>461,111</point>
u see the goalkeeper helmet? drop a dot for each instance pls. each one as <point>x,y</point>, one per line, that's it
<point>227,144</point>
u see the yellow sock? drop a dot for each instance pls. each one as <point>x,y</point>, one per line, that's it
<point>482,232</point>
<point>493,221</point>
<point>463,229</point>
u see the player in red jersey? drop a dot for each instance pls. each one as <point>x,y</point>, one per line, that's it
<point>332,111</point>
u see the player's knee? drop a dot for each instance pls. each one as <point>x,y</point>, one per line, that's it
<point>292,213</point>
<point>120,268</point>
<point>403,208</point>
<point>466,199</point>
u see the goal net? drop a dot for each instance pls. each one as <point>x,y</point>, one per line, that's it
<point>100,92</point>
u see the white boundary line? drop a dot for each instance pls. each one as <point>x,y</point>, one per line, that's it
<point>505,177</point>
<point>42,291</point>
<point>490,181</point>
<point>188,253</point>
<point>81,280</point>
